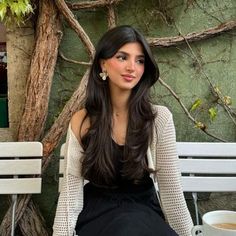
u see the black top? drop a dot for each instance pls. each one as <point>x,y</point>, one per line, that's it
<point>120,183</point>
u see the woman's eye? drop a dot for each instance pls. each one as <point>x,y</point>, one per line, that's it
<point>121,57</point>
<point>140,61</point>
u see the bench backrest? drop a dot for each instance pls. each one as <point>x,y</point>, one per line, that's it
<point>208,167</point>
<point>20,167</point>
<point>205,167</point>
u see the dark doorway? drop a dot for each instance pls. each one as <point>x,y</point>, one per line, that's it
<point>3,80</point>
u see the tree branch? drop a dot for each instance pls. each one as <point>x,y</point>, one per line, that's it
<point>203,126</point>
<point>111,16</point>
<point>91,4</point>
<point>216,92</point>
<point>192,37</point>
<point>73,61</point>
<point>70,18</point>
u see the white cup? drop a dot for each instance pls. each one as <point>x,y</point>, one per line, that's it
<point>215,217</point>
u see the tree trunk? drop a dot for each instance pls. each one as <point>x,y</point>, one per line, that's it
<point>34,225</point>
<point>36,107</point>
<point>31,226</point>
<point>41,73</point>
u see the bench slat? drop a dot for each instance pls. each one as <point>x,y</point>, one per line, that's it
<point>61,166</point>
<point>60,184</point>
<point>17,149</point>
<point>20,186</point>
<point>209,166</point>
<point>201,149</point>
<point>209,184</point>
<point>62,150</point>
<point>20,167</point>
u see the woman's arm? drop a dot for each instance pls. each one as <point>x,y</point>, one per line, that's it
<point>169,176</point>
<point>70,201</point>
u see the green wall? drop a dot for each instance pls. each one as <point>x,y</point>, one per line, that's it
<point>179,65</point>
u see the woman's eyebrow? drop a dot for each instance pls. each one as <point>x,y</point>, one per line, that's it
<point>127,54</point>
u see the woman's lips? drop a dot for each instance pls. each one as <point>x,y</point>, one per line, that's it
<point>128,77</point>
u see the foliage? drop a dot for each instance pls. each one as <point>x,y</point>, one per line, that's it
<point>211,106</point>
<point>196,104</point>
<point>200,106</point>
<point>212,113</point>
<point>14,11</point>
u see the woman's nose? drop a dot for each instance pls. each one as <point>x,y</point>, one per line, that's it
<point>130,65</point>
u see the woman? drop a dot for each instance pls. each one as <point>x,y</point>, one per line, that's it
<point>125,147</point>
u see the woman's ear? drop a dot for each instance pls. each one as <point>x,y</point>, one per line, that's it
<point>102,64</point>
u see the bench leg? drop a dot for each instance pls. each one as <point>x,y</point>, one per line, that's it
<point>14,201</point>
<point>196,207</point>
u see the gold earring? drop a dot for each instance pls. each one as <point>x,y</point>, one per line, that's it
<point>103,75</point>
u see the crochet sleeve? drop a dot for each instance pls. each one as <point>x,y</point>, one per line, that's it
<point>169,178</point>
<point>70,202</point>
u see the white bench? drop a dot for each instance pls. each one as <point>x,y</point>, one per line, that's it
<point>197,160</point>
<point>207,167</point>
<point>20,170</point>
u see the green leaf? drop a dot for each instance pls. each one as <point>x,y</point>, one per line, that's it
<point>196,104</point>
<point>17,8</point>
<point>22,7</point>
<point>3,10</point>
<point>212,113</point>
<point>14,11</point>
<point>28,8</point>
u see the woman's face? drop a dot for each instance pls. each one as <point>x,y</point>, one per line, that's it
<point>126,67</point>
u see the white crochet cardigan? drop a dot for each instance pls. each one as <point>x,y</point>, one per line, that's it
<point>162,156</point>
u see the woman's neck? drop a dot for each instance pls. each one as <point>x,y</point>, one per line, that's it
<point>119,101</point>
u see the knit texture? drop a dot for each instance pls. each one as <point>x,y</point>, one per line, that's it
<point>162,156</point>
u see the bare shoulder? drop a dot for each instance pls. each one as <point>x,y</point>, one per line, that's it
<point>80,123</point>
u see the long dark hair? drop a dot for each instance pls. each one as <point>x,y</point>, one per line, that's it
<point>97,164</point>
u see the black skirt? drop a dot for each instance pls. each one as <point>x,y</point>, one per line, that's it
<point>132,211</point>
